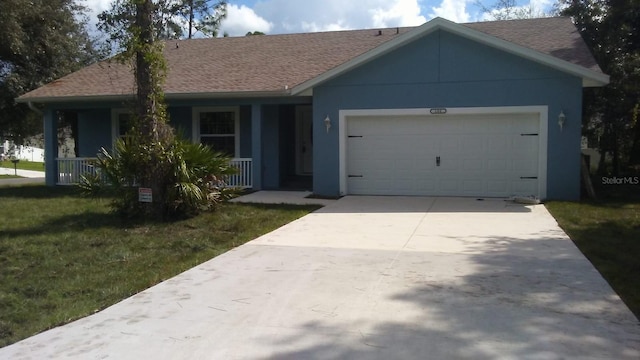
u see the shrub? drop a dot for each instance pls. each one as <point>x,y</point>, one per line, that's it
<point>188,178</point>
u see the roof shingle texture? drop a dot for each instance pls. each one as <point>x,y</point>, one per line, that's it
<point>274,63</point>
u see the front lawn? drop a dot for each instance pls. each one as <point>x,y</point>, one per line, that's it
<point>608,233</point>
<point>64,256</point>
<point>23,165</point>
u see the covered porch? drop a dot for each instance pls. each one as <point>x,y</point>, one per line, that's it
<point>270,142</point>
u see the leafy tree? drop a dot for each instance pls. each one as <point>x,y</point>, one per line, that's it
<point>255,33</point>
<point>509,10</point>
<point>204,15</point>
<point>170,18</point>
<point>40,41</point>
<point>182,176</point>
<point>610,29</point>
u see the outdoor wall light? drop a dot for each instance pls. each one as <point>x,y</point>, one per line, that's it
<point>327,123</point>
<point>562,118</point>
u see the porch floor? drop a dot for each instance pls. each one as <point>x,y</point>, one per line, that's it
<point>282,197</point>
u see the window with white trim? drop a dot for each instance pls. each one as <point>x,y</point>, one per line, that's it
<point>121,122</point>
<point>219,129</point>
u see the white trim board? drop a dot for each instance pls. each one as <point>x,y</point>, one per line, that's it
<point>541,111</point>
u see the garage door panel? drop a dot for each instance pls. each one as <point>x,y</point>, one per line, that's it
<point>524,187</point>
<point>483,155</point>
<point>473,186</point>
<point>494,165</point>
<point>496,186</point>
<point>525,167</point>
<point>449,186</point>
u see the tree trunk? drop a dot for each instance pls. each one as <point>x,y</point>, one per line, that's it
<point>155,134</point>
<point>615,164</point>
<point>586,178</point>
<point>190,18</point>
<point>144,78</point>
<point>634,158</point>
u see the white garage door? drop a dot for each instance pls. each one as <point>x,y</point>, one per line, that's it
<point>446,155</point>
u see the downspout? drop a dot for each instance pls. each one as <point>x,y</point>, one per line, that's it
<point>34,108</point>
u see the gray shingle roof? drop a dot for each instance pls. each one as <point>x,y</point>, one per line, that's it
<point>256,65</point>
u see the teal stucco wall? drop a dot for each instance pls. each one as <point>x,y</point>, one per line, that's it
<point>445,70</point>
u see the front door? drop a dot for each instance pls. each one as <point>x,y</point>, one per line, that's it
<point>304,140</point>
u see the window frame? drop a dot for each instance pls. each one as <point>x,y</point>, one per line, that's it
<point>115,123</point>
<point>197,136</point>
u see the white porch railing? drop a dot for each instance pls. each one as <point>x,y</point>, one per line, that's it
<point>244,177</point>
<point>70,171</point>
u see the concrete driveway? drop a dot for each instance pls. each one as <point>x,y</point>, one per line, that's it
<point>372,278</point>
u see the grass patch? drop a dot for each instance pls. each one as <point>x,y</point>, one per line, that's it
<point>64,257</point>
<point>608,234</point>
<point>23,165</point>
<point>9,177</point>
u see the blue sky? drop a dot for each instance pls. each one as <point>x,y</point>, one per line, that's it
<point>293,16</point>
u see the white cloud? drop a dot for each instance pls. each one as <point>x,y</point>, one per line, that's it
<point>398,13</point>
<point>241,20</point>
<point>315,27</point>
<point>541,4</point>
<point>453,10</point>
<point>94,8</point>
<point>323,15</point>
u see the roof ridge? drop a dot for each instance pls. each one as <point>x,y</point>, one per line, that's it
<point>295,34</point>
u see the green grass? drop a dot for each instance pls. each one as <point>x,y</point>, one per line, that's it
<point>9,177</point>
<point>64,256</point>
<point>608,234</point>
<point>23,165</point>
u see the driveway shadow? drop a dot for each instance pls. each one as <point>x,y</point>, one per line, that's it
<point>541,300</point>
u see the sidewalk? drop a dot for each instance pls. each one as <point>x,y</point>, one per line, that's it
<point>22,173</point>
<point>27,177</point>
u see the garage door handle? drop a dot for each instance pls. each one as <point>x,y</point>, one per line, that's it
<point>528,177</point>
<point>437,160</point>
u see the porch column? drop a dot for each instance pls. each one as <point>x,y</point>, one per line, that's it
<point>256,145</point>
<point>50,147</point>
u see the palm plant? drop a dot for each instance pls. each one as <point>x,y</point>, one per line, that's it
<point>193,183</point>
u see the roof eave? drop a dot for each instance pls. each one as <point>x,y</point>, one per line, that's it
<point>227,95</point>
<point>596,81</point>
<point>75,98</point>
<point>168,96</point>
<point>590,78</point>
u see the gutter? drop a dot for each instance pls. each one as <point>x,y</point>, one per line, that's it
<point>167,96</point>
